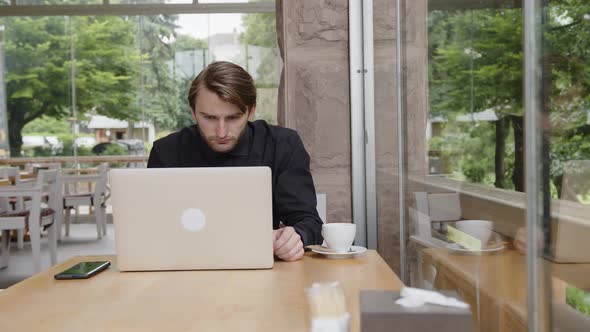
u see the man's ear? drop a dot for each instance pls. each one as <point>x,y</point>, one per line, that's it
<point>251,111</point>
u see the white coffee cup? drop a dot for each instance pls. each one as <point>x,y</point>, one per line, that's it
<point>480,229</point>
<point>339,236</point>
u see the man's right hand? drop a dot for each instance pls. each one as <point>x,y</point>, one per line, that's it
<point>287,244</point>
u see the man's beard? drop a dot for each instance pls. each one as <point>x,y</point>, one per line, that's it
<point>211,139</point>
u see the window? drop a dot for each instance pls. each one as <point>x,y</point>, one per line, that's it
<point>72,76</point>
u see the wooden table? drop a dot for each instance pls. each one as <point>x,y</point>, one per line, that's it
<point>78,171</point>
<point>247,300</point>
<point>27,175</point>
<point>496,285</point>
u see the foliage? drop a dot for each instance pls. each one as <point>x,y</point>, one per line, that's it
<point>476,61</point>
<point>578,299</point>
<point>188,43</point>
<point>124,68</point>
<point>260,31</point>
<point>38,67</point>
<point>476,64</point>
<point>114,150</point>
<point>46,125</point>
<point>67,140</point>
<point>155,83</point>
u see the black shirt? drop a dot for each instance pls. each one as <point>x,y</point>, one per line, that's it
<point>281,149</point>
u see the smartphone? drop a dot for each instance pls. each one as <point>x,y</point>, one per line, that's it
<point>83,270</point>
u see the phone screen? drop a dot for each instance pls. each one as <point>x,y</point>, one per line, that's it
<point>84,269</point>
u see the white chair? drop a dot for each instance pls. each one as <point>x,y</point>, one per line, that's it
<point>33,218</point>
<point>13,174</point>
<point>34,167</point>
<point>93,199</point>
<point>431,208</point>
<point>437,207</point>
<point>321,206</point>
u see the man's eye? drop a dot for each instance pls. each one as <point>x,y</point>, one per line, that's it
<point>209,117</point>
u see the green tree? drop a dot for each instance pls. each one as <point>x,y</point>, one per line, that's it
<point>189,43</point>
<point>477,64</point>
<point>45,125</point>
<point>39,65</point>
<point>184,43</point>
<point>260,32</point>
<point>156,84</point>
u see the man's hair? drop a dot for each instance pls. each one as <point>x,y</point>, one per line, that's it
<point>228,81</point>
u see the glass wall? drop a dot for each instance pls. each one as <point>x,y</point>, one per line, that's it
<point>76,82</point>
<point>494,138</point>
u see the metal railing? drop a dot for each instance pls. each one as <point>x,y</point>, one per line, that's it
<point>87,160</point>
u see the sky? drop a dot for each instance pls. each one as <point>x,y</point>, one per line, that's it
<point>203,25</point>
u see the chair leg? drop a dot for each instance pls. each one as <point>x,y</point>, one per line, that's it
<point>35,233</point>
<point>5,248</point>
<point>20,238</point>
<point>52,238</point>
<point>103,211</point>
<point>58,219</point>
<point>98,219</point>
<point>67,221</point>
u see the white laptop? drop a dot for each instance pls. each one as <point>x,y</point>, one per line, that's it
<point>192,218</point>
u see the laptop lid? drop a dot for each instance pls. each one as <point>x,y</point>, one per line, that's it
<point>192,218</point>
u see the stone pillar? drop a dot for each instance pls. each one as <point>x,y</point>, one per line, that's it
<point>314,94</point>
<point>314,99</point>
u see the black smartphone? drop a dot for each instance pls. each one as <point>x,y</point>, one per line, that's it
<point>83,270</point>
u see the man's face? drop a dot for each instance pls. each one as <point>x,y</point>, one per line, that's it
<point>220,123</point>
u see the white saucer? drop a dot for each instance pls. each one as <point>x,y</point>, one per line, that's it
<point>459,250</point>
<point>354,250</point>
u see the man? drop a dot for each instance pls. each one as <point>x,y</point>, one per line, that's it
<point>222,100</point>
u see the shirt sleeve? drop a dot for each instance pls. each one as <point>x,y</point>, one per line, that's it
<point>295,196</point>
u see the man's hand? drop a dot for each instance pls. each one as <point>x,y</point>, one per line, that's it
<point>287,244</point>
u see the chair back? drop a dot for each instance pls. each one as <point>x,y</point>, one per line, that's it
<point>49,181</point>
<point>36,167</point>
<point>438,206</point>
<point>321,206</point>
<point>13,175</point>
<point>10,173</point>
<point>100,187</point>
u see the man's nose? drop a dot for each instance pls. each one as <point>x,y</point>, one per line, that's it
<point>221,129</point>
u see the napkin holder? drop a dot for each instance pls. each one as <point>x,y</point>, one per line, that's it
<point>379,312</point>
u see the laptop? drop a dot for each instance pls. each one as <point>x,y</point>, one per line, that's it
<point>192,218</point>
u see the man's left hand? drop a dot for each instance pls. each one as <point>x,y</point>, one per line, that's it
<point>287,244</point>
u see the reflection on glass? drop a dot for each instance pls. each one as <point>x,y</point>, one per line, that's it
<point>467,216</point>
<point>58,2</point>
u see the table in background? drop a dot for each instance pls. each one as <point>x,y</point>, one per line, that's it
<point>496,285</point>
<point>235,300</point>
